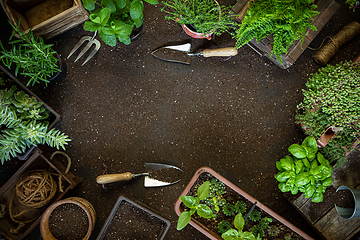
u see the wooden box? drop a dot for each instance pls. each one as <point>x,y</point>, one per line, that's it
<point>47,18</point>
<point>37,161</point>
<point>327,9</point>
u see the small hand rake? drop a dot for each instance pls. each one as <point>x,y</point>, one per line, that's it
<point>92,41</point>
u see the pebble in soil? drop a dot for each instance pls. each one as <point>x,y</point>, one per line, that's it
<point>68,222</point>
<point>131,222</point>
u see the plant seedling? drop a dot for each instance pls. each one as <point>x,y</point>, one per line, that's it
<point>195,206</point>
<point>238,234</point>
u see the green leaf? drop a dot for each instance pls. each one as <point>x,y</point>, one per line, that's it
<point>278,166</point>
<point>321,189</point>
<point>120,3</point>
<point>313,164</point>
<point>318,197</point>
<point>299,166</point>
<point>138,22</point>
<point>183,220</point>
<point>154,2</point>
<point>309,190</point>
<point>297,150</point>
<point>302,179</point>
<point>190,201</point>
<point>327,182</point>
<point>136,9</point>
<point>231,234</point>
<point>283,176</point>
<point>108,39</point>
<point>108,30</point>
<point>203,190</point>
<point>239,222</point>
<point>322,160</point>
<point>284,187</point>
<point>311,144</point>
<point>95,18</point>
<point>89,4</point>
<point>306,162</point>
<point>248,236</point>
<point>204,211</point>
<point>104,14</point>
<point>109,4</point>
<point>287,163</point>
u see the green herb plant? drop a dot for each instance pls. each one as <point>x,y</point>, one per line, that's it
<point>206,16</point>
<point>193,203</point>
<point>223,226</point>
<point>306,171</point>
<point>331,100</point>
<point>286,20</point>
<point>30,56</point>
<point>238,233</point>
<point>23,124</point>
<point>259,229</point>
<point>215,198</point>
<point>353,4</point>
<point>115,19</point>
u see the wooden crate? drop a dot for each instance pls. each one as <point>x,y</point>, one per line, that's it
<point>47,18</point>
<point>323,216</point>
<point>327,9</point>
<point>37,161</point>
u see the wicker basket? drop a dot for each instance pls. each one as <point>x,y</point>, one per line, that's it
<point>82,203</point>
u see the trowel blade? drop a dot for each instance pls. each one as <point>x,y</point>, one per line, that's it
<point>149,181</point>
<point>176,54</point>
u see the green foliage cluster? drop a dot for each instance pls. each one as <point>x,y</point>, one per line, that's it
<point>353,4</point>
<point>31,56</point>
<point>259,229</point>
<point>238,233</point>
<point>331,99</point>
<point>273,231</point>
<point>285,20</point>
<point>195,206</point>
<point>306,171</point>
<point>23,124</point>
<point>205,16</point>
<point>115,19</point>
<point>203,204</point>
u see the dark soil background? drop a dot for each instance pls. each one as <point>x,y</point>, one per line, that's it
<point>125,108</point>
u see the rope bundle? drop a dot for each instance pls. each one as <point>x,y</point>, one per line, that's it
<point>324,55</point>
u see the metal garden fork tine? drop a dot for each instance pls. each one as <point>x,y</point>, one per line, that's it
<point>92,41</point>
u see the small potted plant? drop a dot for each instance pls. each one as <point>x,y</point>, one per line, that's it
<point>331,100</point>
<point>115,20</point>
<point>286,21</point>
<point>220,210</point>
<point>199,18</point>
<point>32,57</point>
<point>24,123</point>
<point>306,171</point>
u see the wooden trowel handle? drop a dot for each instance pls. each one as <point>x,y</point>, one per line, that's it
<point>220,52</point>
<point>110,178</point>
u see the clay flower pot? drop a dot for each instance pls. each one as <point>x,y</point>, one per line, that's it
<point>212,235</point>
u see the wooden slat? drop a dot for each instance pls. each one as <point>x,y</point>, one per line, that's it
<point>326,221</point>
<point>341,228</point>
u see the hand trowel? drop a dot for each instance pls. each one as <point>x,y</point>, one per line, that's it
<point>181,53</point>
<point>156,175</point>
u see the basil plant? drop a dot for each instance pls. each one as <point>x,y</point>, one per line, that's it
<point>195,206</point>
<point>306,171</point>
<point>115,19</point>
<point>238,234</point>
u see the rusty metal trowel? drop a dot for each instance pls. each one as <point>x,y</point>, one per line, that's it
<point>181,53</point>
<point>156,175</point>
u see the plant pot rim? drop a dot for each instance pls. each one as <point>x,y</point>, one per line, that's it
<point>239,191</point>
<point>138,205</point>
<point>44,222</point>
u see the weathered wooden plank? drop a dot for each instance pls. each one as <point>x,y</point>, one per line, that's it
<point>327,220</point>
<point>341,228</point>
<point>300,201</point>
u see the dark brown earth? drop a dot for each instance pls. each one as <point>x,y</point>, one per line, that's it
<point>125,108</point>
<point>68,222</point>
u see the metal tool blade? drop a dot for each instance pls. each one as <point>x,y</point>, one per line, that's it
<point>176,53</point>
<point>151,182</point>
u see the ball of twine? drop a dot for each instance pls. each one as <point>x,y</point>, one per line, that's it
<point>324,55</point>
<point>36,188</point>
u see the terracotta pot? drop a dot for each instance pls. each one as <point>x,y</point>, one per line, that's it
<point>212,235</point>
<point>194,34</point>
<point>326,137</point>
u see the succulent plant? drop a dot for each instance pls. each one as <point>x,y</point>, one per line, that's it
<point>228,209</point>
<point>223,226</point>
<point>273,231</point>
<point>255,216</point>
<point>240,207</point>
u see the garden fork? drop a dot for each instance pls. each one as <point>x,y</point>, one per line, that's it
<point>92,41</point>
